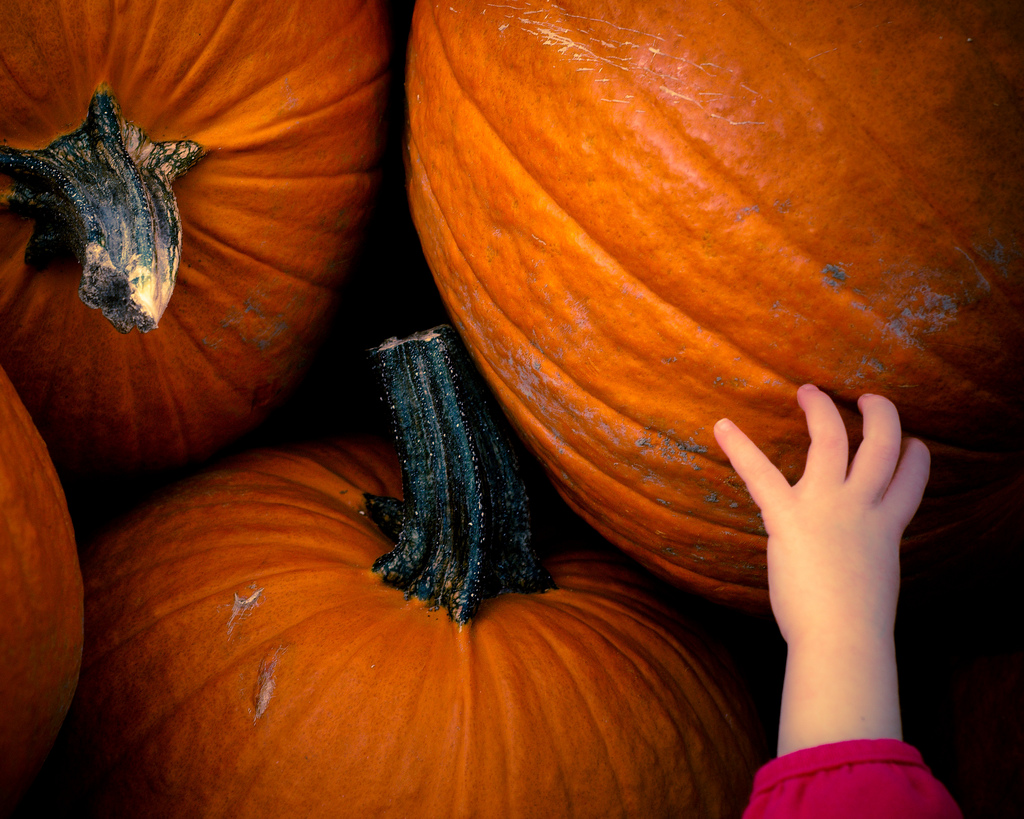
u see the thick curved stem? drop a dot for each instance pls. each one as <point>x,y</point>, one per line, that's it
<point>463,529</point>
<point>103,194</point>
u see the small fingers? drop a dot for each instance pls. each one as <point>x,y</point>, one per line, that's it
<point>876,457</point>
<point>903,496</point>
<point>829,452</point>
<point>764,482</point>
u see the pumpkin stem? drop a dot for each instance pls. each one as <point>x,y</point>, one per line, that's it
<point>103,194</point>
<point>463,530</point>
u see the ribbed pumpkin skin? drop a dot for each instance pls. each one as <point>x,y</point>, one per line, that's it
<point>646,216</point>
<point>289,100</point>
<point>328,694</point>
<point>40,601</point>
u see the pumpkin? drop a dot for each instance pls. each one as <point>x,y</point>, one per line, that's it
<point>643,217</point>
<point>235,158</point>
<point>41,589</point>
<point>242,653</point>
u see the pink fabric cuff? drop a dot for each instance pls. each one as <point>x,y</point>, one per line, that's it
<point>880,778</point>
<point>809,761</point>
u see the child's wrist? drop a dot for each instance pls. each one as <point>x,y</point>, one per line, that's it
<point>839,688</point>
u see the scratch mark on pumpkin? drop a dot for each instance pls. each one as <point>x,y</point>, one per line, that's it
<point>982,281</point>
<point>290,100</point>
<point>657,52</point>
<point>700,105</point>
<point>822,53</point>
<point>266,683</point>
<point>243,606</point>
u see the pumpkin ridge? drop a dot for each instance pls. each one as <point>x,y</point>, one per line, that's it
<point>172,709</point>
<point>858,119</point>
<point>624,642</point>
<point>585,695</point>
<point>316,565</point>
<point>504,734</point>
<point>623,645</point>
<point>539,634</point>
<point>582,607</point>
<point>950,224</point>
<point>175,420</point>
<point>201,61</point>
<point>571,452</point>
<point>183,89</point>
<point>278,637</point>
<point>806,240</point>
<point>725,571</point>
<point>274,130</point>
<point>298,457</point>
<point>197,229</point>
<point>200,68</point>
<point>188,500</point>
<point>497,374</point>
<point>564,446</point>
<point>207,351</point>
<point>530,173</point>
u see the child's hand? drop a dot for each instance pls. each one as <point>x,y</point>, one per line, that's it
<point>833,538</point>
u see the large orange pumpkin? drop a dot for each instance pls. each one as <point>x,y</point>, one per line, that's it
<point>288,103</point>
<point>645,216</point>
<point>40,601</point>
<point>242,657</point>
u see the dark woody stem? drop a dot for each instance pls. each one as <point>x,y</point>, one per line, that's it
<point>463,529</point>
<point>103,194</point>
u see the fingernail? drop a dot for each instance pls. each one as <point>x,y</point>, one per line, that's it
<point>724,424</point>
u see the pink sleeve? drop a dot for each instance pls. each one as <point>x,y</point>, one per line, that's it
<point>880,778</point>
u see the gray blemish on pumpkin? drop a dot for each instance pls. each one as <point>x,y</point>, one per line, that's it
<point>242,607</point>
<point>266,683</point>
<point>928,312</point>
<point>834,276</point>
<point>997,255</point>
<point>691,446</point>
<point>743,213</point>
<point>873,364</point>
<point>268,329</point>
